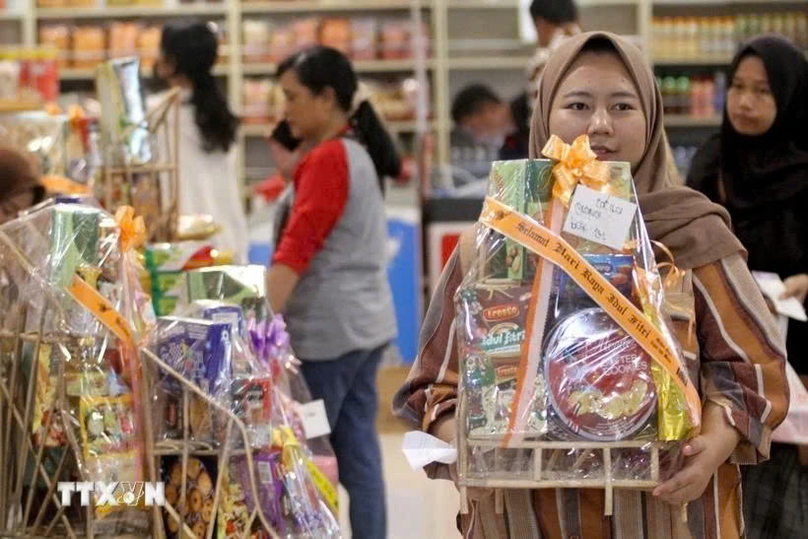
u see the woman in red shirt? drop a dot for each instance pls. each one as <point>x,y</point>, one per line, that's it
<point>328,274</point>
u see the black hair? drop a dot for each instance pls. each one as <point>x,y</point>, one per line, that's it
<point>193,49</point>
<point>557,12</point>
<point>600,45</point>
<point>471,100</point>
<point>318,68</point>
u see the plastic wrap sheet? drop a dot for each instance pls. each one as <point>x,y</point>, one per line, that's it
<point>540,359</point>
<point>69,284</point>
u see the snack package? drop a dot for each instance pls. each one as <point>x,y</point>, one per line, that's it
<point>336,33</point>
<point>123,39</point>
<point>258,101</point>
<point>148,46</point>
<point>69,275</point>
<point>233,516</point>
<point>123,112</point>
<point>562,331</point>
<point>256,35</point>
<point>244,286</point>
<point>89,46</point>
<point>166,263</point>
<point>197,508</point>
<point>58,37</point>
<point>200,351</point>
<point>364,39</point>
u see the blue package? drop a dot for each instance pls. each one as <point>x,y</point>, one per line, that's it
<point>615,268</point>
<point>200,350</point>
<point>218,311</point>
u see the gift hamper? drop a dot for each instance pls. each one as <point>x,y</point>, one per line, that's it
<point>71,389</point>
<point>570,374</point>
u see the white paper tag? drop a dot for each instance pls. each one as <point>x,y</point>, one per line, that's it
<point>421,448</point>
<point>771,285</point>
<point>599,217</point>
<point>315,420</point>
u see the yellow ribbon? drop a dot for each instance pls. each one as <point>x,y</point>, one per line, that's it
<point>133,229</point>
<point>576,163</point>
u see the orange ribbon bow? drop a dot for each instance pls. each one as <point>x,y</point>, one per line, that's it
<point>576,163</point>
<point>133,229</point>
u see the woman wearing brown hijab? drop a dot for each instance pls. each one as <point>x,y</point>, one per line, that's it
<point>599,84</point>
<point>19,183</point>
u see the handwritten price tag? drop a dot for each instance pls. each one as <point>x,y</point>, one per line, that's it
<point>599,217</point>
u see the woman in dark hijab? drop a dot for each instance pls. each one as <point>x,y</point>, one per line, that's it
<point>757,167</point>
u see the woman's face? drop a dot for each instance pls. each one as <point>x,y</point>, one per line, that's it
<point>750,104</point>
<point>305,112</point>
<point>598,97</point>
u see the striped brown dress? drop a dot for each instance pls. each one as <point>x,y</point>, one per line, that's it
<point>735,355</point>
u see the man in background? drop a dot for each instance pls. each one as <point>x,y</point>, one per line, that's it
<point>480,112</point>
<point>555,20</point>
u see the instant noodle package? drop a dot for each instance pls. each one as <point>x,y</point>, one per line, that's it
<point>570,372</point>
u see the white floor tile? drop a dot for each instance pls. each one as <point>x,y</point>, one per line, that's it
<point>417,507</point>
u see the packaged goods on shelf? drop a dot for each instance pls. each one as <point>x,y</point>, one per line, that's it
<point>123,37</point>
<point>89,46</point>
<point>719,36</point>
<point>148,46</point>
<point>364,39</point>
<point>562,348</point>
<point>361,39</point>
<point>58,37</point>
<point>28,76</point>
<point>336,33</point>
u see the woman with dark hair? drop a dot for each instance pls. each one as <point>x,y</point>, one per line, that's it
<point>757,167</point>
<point>207,160</point>
<point>328,274</point>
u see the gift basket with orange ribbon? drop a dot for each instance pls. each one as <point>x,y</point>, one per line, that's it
<point>570,373</point>
<point>85,439</point>
<point>71,391</point>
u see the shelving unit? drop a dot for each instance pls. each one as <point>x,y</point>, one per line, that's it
<point>493,23</point>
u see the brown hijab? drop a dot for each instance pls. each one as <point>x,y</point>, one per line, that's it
<point>693,228</point>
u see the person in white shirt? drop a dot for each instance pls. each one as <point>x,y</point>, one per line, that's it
<point>208,177</point>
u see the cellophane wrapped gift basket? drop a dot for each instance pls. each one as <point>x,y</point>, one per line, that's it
<point>95,389</point>
<point>570,374</point>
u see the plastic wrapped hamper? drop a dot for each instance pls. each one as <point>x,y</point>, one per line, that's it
<point>570,373</point>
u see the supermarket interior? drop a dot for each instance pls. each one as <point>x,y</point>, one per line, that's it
<point>76,75</point>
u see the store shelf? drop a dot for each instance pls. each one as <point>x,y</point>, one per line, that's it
<point>686,3</point>
<point>514,4</point>
<point>489,62</point>
<point>367,66</point>
<point>10,16</point>
<point>694,61</point>
<point>80,74</point>
<point>263,130</point>
<point>685,121</point>
<point>303,6</point>
<point>131,11</point>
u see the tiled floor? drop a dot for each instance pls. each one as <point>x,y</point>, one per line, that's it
<point>417,508</point>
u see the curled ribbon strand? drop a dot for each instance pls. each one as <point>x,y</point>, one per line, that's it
<point>576,163</point>
<point>133,229</point>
